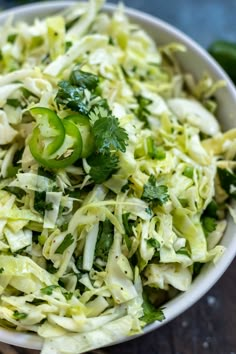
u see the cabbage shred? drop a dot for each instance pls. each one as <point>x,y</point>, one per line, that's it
<point>89,252</point>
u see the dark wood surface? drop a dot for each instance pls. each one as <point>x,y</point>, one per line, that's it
<point>208,327</point>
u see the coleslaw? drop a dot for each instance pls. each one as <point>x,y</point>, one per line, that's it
<point>115,177</point>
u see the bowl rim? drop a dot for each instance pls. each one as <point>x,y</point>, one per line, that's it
<point>185,300</point>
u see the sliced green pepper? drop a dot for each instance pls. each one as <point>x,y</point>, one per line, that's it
<point>225,53</point>
<point>50,129</point>
<point>67,153</point>
<point>83,124</point>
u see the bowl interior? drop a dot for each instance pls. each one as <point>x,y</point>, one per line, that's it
<point>196,61</point>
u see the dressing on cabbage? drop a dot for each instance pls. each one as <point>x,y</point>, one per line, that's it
<point>86,249</point>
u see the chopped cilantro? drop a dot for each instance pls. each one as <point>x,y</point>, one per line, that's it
<point>13,102</point>
<point>105,239</point>
<point>68,45</point>
<point>152,242</point>
<point>68,240</point>
<point>79,263</point>
<point>40,204</point>
<point>128,241</point>
<point>72,97</point>
<point>149,211</point>
<point>211,209</point>
<point>50,267</point>
<point>42,171</point>
<point>18,192</point>
<point>154,193</point>
<point>128,224</point>
<point>84,79</point>
<point>1,270</point>
<point>227,181</point>
<point>68,296</point>
<point>71,93</point>
<point>48,290</point>
<point>126,187</point>
<point>151,313</point>
<point>197,268</point>
<point>142,112</point>
<point>184,202</point>
<point>108,134</point>
<point>208,224</point>
<point>184,251</point>
<point>19,315</point>
<point>11,38</point>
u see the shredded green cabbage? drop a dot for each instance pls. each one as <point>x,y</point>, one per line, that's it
<point>85,249</point>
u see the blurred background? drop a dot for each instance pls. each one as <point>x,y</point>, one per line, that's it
<point>203,20</point>
<point>209,326</point>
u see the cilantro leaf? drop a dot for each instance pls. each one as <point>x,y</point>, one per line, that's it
<point>68,240</point>
<point>211,209</point>
<point>105,239</point>
<point>72,97</point>
<point>84,79</point>
<point>71,93</point>
<point>48,290</point>
<point>40,204</point>
<point>50,267</point>
<point>155,193</point>
<point>208,224</point>
<point>1,270</point>
<point>128,224</point>
<point>227,181</point>
<point>152,242</point>
<point>102,166</point>
<point>19,315</point>
<point>197,266</point>
<point>150,312</point>
<point>17,191</point>
<point>12,37</point>
<point>13,102</point>
<point>109,135</point>
<point>68,296</point>
<point>142,112</point>
<point>184,251</point>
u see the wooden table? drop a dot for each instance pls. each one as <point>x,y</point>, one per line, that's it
<point>209,327</point>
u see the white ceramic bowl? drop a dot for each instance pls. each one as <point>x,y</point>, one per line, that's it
<point>195,61</point>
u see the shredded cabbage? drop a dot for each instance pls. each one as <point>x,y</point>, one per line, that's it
<point>83,254</point>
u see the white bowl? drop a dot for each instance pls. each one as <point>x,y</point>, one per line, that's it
<point>196,61</point>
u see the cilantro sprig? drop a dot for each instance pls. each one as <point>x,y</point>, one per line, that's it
<point>152,192</point>
<point>105,239</point>
<point>109,138</point>
<point>81,94</point>
<point>71,93</point>
<point>109,135</point>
